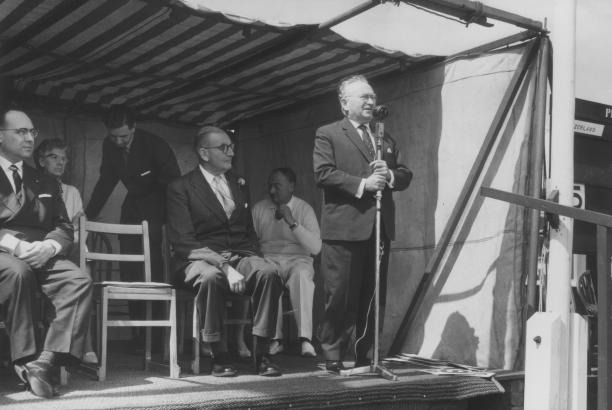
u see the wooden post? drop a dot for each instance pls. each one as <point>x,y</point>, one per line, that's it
<point>562,180</point>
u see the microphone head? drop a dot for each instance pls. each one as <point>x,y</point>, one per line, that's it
<point>380,112</point>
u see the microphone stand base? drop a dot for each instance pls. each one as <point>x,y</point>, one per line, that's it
<point>378,369</point>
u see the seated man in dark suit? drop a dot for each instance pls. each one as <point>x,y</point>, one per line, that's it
<point>35,237</point>
<point>211,231</point>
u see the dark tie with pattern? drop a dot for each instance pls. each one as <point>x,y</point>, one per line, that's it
<point>16,178</point>
<point>365,136</point>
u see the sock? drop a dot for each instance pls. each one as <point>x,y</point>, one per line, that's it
<point>47,356</point>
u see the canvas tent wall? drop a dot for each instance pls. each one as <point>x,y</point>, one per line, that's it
<point>440,114</point>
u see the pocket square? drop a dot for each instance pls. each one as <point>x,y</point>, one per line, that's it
<point>145,173</point>
<point>44,195</point>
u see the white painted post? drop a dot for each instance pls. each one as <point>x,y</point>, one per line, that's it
<point>560,253</point>
<point>578,348</point>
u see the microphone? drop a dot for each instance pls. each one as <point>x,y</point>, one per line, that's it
<point>380,112</point>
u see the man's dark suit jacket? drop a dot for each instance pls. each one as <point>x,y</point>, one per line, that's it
<point>150,167</point>
<point>341,160</point>
<point>43,214</point>
<point>196,219</point>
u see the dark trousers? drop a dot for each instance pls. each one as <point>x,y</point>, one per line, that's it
<point>134,272</point>
<point>263,284</point>
<point>348,271</point>
<point>68,289</point>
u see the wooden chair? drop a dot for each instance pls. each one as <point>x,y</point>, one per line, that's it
<point>143,291</point>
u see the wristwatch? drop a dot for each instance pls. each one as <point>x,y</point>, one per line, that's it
<point>293,225</point>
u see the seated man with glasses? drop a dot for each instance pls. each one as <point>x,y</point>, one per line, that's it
<point>216,251</point>
<point>35,237</point>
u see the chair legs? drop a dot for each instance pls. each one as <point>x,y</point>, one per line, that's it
<point>195,364</point>
<point>175,370</point>
<point>103,336</point>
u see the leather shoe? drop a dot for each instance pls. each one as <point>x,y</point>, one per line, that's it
<point>221,367</point>
<point>37,377</point>
<point>334,366</point>
<point>264,366</point>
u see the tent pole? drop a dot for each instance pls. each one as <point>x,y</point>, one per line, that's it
<point>473,11</point>
<point>349,14</point>
<point>547,363</point>
<point>535,189</point>
<point>464,195</point>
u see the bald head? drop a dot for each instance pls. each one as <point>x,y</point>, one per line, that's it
<point>17,136</point>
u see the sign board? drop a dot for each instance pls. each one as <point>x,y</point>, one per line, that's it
<point>588,128</point>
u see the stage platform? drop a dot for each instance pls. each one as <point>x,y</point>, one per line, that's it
<point>303,385</point>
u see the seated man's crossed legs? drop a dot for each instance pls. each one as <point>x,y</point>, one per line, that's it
<point>262,282</point>
<point>297,274</point>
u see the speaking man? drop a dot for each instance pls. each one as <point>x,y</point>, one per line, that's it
<point>347,170</point>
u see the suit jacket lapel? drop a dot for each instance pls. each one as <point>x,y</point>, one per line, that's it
<point>8,203</point>
<point>354,137</point>
<point>31,185</point>
<point>237,196</point>
<point>203,190</point>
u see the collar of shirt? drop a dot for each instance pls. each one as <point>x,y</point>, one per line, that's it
<point>5,164</point>
<point>209,177</point>
<point>356,125</point>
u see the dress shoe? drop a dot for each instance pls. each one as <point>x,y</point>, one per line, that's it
<point>264,366</point>
<point>37,377</point>
<point>308,349</point>
<point>276,347</point>
<point>334,366</point>
<point>222,367</point>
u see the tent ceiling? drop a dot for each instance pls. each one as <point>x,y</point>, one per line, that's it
<point>169,61</point>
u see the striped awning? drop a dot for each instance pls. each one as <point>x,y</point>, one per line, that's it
<point>171,62</point>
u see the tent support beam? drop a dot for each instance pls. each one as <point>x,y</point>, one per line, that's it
<point>463,198</point>
<point>473,11</point>
<point>493,45</point>
<point>535,189</point>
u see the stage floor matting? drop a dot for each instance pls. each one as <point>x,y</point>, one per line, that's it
<point>303,385</point>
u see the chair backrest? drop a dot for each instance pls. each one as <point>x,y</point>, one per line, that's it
<point>142,230</point>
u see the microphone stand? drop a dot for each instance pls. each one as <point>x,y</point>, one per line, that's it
<point>375,366</point>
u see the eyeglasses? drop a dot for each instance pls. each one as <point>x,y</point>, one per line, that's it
<point>223,147</point>
<point>23,132</point>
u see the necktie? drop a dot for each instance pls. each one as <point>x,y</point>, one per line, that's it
<point>16,178</point>
<point>225,197</point>
<point>365,136</point>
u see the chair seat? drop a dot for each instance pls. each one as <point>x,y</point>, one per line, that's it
<point>118,284</point>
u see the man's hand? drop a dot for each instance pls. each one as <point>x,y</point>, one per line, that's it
<point>208,256</point>
<point>37,254</point>
<point>380,167</point>
<point>22,247</point>
<point>375,182</point>
<point>235,279</point>
<point>285,211</point>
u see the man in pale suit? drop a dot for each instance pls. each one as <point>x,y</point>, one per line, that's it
<point>216,251</point>
<point>35,237</point>
<point>347,170</point>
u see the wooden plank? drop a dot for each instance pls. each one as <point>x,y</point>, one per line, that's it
<point>593,217</point>
<point>604,328</point>
<point>138,323</point>
<point>468,187</point>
